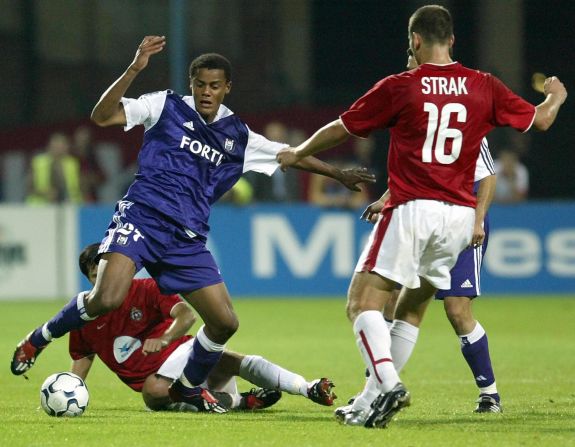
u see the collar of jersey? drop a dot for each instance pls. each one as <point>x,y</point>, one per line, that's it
<point>223,111</point>
<point>439,65</point>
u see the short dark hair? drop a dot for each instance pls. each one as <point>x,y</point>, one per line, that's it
<point>211,61</point>
<point>433,23</point>
<point>88,259</point>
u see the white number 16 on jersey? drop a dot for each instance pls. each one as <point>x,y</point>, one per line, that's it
<point>443,132</point>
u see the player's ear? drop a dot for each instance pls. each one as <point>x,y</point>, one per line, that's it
<point>228,87</point>
<point>416,39</point>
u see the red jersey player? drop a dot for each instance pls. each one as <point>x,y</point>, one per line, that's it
<point>144,343</point>
<point>437,114</point>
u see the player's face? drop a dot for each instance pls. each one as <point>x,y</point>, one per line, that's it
<point>92,274</point>
<point>209,87</point>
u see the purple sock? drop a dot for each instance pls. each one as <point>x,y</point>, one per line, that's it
<point>477,357</point>
<point>71,316</point>
<point>200,363</point>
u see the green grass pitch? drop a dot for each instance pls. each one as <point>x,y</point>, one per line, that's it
<point>532,344</point>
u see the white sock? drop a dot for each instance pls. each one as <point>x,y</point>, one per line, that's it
<point>367,396</point>
<point>231,388</point>
<point>263,373</point>
<point>206,343</point>
<point>403,339</point>
<point>374,341</point>
<point>477,333</point>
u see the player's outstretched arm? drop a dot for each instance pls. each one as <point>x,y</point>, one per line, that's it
<point>349,178</point>
<point>328,136</point>
<point>555,96</point>
<point>109,110</point>
<point>184,319</point>
<point>81,367</point>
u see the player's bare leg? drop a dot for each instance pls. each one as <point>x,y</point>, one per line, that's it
<point>115,273</point>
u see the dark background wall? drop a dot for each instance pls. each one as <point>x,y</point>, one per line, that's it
<point>59,56</point>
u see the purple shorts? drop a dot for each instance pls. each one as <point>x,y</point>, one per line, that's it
<point>176,259</point>
<point>466,274</point>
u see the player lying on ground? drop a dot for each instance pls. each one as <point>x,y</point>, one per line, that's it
<point>144,343</point>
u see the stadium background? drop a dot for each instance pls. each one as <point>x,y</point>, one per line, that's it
<point>297,61</point>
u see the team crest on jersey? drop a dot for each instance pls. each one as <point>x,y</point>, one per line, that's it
<point>229,145</point>
<point>136,314</point>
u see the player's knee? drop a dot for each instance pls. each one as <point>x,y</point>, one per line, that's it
<point>223,329</point>
<point>108,300</point>
<point>460,317</point>
<point>352,309</point>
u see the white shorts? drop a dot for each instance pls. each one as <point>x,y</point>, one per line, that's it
<point>418,238</point>
<point>174,365</point>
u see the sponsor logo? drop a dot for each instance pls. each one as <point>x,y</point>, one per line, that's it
<point>189,125</point>
<point>202,150</point>
<point>124,347</point>
<point>466,284</point>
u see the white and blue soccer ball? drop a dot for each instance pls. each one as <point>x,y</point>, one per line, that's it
<point>64,394</point>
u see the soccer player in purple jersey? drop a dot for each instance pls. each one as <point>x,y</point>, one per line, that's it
<point>437,114</point>
<point>194,150</point>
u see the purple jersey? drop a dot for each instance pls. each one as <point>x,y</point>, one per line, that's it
<point>186,164</point>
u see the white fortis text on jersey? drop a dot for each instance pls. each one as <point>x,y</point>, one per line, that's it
<point>203,150</point>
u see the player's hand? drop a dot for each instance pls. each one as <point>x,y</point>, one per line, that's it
<point>553,85</point>
<point>287,157</point>
<point>372,212</point>
<point>478,235</point>
<point>152,345</point>
<point>149,46</point>
<point>351,177</point>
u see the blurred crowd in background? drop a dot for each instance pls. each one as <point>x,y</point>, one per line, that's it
<point>297,64</point>
<point>73,167</point>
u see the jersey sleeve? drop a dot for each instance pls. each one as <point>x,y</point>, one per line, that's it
<point>372,111</point>
<point>145,110</point>
<point>155,299</point>
<point>78,347</point>
<point>510,109</point>
<point>260,155</point>
<point>484,167</point>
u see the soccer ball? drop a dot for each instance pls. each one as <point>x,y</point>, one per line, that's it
<point>64,394</point>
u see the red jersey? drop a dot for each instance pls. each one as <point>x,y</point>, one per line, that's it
<point>117,337</point>
<point>437,115</point>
